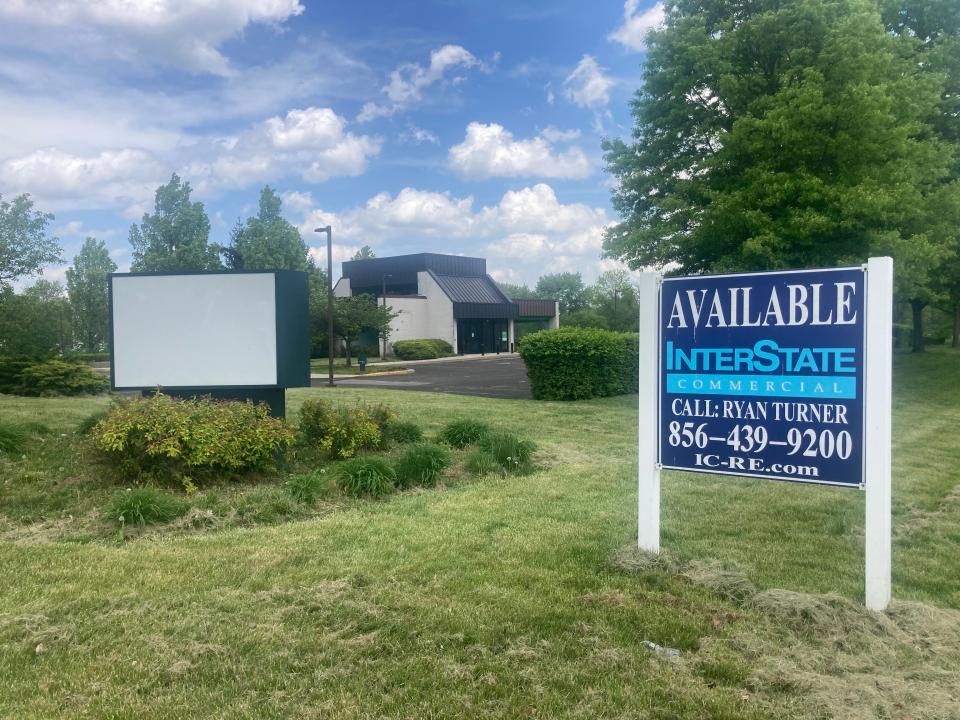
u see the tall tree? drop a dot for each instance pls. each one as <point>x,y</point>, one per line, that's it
<point>176,236</point>
<point>267,241</point>
<point>774,135</point>
<point>35,322</point>
<point>87,290</point>
<point>613,296</point>
<point>566,287</point>
<point>25,246</point>
<point>364,253</point>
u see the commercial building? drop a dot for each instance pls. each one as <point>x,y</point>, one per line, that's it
<point>449,297</point>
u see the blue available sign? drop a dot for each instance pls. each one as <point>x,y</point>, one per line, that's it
<point>762,375</point>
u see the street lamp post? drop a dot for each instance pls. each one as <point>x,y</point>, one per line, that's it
<point>329,231</point>
<point>383,353</point>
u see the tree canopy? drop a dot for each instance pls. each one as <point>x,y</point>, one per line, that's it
<point>25,246</point>
<point>267,241</point>
<point>566,287</point>
<point>176,236</point>
<point>774,135</point>
<point>87,290</point>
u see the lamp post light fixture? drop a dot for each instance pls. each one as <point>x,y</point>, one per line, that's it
<point>383,353</point>
<point>329,231</point>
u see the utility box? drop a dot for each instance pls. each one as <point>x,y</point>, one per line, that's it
<point>229,334</point>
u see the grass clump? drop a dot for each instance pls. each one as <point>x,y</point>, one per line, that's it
<point>13,438</point>
<point>511,453</point>
<point>366,477</point>
<point>422,464</point>
<point>402,433</point>
<point>144,506</point>
<point>481,462</point>
<point>461,433</point>
<point>307,487</point>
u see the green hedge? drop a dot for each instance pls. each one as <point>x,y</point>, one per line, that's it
<point>426,349</point>
<point>27,376</point>
<point>574,363</point>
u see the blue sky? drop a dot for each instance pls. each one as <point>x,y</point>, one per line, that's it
<point>468,127</point>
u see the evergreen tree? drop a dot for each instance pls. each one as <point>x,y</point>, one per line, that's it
<point>87,290</point>
<point>176,236</point>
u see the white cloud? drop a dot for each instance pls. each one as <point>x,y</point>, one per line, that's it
<point>185,33</point>
<point>418,135</point>
<point>490,151</point>
<point>530,227</point>
<point>112,178</point>
<point>633,33</point>
<point>587,86</point>
<point>555,135</point>
<point>408,81</point>
<point>312,143</point>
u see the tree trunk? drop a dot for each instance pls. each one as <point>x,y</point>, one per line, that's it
<point>917,306</point>
<point>956,326</point>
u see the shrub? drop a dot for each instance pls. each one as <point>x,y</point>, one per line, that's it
<point>144,506</point>
<point>511,453</point>
<point>167,438</point>
<point>482,462</point>
<point>421,464</point>
<point>10,369</point>
<point>87,357</point>
<point>308,487</point>
<point>461,433</point>
<point>13,438</point>
<point>57,377</point>
<point>338,431</point>
<point>425,349</point>
<point>580,363</point>
<point>366,476</point>
<point>401,432</point>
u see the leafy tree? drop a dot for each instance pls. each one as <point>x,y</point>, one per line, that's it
<point>176,236</point>
<point>352,315</point>
<point>614,297</point>
<point>25,246</point>
<point>318,309</point>
<point>515,292</point>
<point>35,322</point>
<point>566,287</point>
<point>775,135</point>
<point>930,33</point>
<point>87,290</point>
<point>587,317</point>
<point>364,253</point>
<point>266,241</point>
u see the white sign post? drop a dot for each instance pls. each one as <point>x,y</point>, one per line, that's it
<point>648,486</point>
<point>783,375</point>
<point>878,384</point>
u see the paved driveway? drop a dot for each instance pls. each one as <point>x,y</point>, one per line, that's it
<point>497,376</point>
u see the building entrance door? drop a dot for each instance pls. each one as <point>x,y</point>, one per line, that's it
<point>477,336</point>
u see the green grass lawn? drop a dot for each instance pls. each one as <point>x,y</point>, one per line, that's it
<point>340,367</point>
<point>493,598</point>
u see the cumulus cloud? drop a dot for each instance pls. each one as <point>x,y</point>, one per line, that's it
<point>529,227</point>
<point>409,81</point>
<point>312,143</point>
<point>491,151</point>
<point>185,33</point>
<point>587,86</point>
<point>112,178</point>
<point>632,34</point>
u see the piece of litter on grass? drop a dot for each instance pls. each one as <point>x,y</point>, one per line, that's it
<point>668,651</point>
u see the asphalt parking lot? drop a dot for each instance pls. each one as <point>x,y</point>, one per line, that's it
<point>496,376</point>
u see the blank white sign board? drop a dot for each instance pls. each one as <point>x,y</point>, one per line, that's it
<point>194,330</point>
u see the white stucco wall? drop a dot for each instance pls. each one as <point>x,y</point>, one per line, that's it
<point>410,323</point>
<point>439,320</point>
